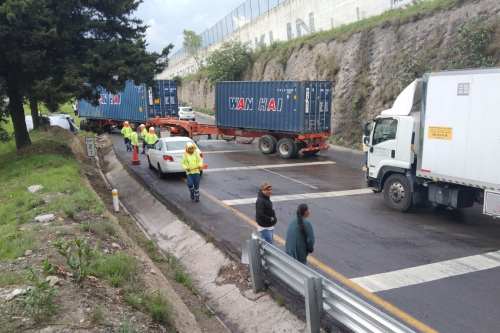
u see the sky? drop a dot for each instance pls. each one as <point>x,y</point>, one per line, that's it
<point>168,18</point>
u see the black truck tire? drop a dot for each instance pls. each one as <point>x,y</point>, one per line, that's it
<point>267,144</point>
<point>287,148</point>
<point>397,192</point>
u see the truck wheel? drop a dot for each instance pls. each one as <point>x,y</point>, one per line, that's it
<point>397,192</point>
<point>267,144</point>
<point>287,148</point>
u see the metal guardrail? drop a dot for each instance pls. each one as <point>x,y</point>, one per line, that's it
<point>322,296</point>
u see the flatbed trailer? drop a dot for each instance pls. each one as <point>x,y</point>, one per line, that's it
<point>288,144</point>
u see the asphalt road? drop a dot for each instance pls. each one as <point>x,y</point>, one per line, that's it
<point>356,234</point>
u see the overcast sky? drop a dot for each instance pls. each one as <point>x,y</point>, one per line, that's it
<point>168,18</point>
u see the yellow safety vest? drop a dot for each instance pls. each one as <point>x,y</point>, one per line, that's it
<point>134,139</point>
<point>192,163</point>
<point>144,132</point>
<point>126,131</point>
<point>151,139</point>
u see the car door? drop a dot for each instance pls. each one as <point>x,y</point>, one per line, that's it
<point>383,145</point>
<point>156,153</point>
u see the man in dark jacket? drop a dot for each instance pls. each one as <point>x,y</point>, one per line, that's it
<point>264,213</point>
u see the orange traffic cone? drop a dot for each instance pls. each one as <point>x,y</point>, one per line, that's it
<point>135,156</point>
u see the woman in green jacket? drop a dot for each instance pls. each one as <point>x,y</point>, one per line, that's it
<point>300,235</point>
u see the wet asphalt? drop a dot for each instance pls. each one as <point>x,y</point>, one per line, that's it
<point>355,235</point>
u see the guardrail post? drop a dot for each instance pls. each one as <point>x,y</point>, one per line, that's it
<point>314,304</point>
<point>255,264</point>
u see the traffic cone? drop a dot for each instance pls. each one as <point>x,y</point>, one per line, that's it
<point>135,156</point>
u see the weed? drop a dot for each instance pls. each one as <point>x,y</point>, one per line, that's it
<point>280,300</point>
<point>126,327</point>
<point>39,300</point>
<point>78,256</point>
<point>183,278</point>
<point>13,242</point>
<point>102,229</point>
<point>11,278</point>
<point>47,267</point>
<point>117,268</point>
<point>97,315</point>
<point>159,308</point>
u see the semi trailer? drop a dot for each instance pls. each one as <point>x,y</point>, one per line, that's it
<point>136,104</point>
<point>288,117</point>
<point>439,143</point>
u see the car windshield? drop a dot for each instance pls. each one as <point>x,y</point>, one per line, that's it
<point>186,109</point>
<point>176,145</point>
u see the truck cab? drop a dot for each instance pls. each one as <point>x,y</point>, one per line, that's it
<point>392,146</point>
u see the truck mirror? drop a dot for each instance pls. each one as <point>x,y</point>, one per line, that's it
<point>366,140</point>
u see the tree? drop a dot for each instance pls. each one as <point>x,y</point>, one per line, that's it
<point>229,62</point>
<point>192,45</point>
<point>4,135</point>
<point>75,45</point>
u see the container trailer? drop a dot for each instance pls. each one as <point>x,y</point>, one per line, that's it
<point>136,104</point>
<point>290,117</point>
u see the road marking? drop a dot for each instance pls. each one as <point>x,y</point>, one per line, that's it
<point>292,180</point>
<point>304,196</point>
<point>225,151</point>
<point>431,272</point>
<point>388,307</point>
<point>269,166</point>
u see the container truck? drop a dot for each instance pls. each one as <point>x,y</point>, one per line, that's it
<point>439,143</point>
<point>136,104</point>
<point>289,117</point>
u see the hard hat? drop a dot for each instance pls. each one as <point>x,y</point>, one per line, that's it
<point>151,129</point>
<point>125,123</point>
<point>142,125</point>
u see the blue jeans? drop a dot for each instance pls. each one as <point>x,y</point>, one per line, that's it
<point>193,183</point>
<point>267,235</point>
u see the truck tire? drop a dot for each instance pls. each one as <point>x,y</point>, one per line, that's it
<point>287,148</point>
<point>397,192</point>
<point>267,144</point>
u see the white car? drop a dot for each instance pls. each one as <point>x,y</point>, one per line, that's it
<point>55,119</point>
<point>186,113</point>
<point>167,154</point>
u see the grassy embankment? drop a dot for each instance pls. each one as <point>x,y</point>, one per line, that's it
<point>81,246</point>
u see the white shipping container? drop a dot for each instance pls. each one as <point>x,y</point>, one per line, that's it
<point>461,129</point>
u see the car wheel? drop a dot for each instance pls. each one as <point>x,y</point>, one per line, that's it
<point>150,165</point>
<point>397,192</point>
<point>161,174</point>
<point>267,144</point>
<point>287,148</point>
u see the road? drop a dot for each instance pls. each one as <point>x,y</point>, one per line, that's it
<point>424,254</point>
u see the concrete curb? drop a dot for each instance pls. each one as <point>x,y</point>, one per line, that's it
<point>242,312</point>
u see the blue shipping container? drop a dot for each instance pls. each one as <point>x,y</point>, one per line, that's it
<point>297,107</point>
<point>135,103</point>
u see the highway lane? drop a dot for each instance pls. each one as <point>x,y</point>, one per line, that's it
<point>356,235</point>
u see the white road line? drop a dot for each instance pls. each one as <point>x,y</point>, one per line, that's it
<point>292,180</point>
<point>225,151</point>
<point>270,166</point>
<point>305,196</point>
<point>431,272</point>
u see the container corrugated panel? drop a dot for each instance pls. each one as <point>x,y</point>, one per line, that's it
<point>129,104</point>
<point>278,106</point>
<point>163,99</point>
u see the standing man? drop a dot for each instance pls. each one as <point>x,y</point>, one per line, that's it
<point>264,213</point>
<point>192,163</point>
<point>142,137</point>
<point>126,132</point>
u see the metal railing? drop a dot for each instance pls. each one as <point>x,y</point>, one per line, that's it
<point>322,296</point>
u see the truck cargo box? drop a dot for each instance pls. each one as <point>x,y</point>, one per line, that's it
<point>277,106</point>
<point>135,103</point>
<point>461,128</point>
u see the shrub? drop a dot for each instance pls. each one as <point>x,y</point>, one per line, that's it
<point>229,62</point>
<point>78,256</point>
<point>39,300</point>
<point>118,268</point>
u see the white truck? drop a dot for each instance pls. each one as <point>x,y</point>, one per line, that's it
<point>439,143</point>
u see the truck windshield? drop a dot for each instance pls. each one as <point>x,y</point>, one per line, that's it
<point>385,129</point>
